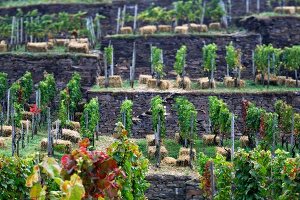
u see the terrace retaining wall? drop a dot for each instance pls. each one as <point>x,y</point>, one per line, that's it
<point>62,66</point>
<point>281,31</point>
<point>110,10</point>
<point>171,43</point>
<point>173,187</point>
<point>110,107</point>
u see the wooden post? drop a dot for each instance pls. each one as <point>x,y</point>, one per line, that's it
<point>274,136</point>
<point>22,136</point>
<point>247,6</point>
<point>211,74</point>
<point>135,18</point>
<point>124,119</point>
<point>33,125</point>
<point>118,20</point>
<point>132,68</point>
<point>191,141</point>
<point>227,70</point>
<point>232,137</point>
<point>105,72</point>
<point>112,62</point>
<point>258,6</point>
<point>158,141</point>
<point>8,106</point>
<point>203,12</point>
<point>13,144</point>
<point>253,66</point>
<point>2,121</point>
<point>292,131</point>
<point>50,140</point>
<point>151,59</point>
<point>212,180</point>
<point>268,71</point>
<point>27,130</point>
<point>123,16</point>
<point>296,77</point>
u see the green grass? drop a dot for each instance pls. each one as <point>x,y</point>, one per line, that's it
<point>12,3</point>
<point>250,87</point>
<point>31,148</point>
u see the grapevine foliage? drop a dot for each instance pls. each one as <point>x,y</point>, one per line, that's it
<point>64,107</point>
<point>232,56</point>
<point>185,112</point>
<point>263,55</point>
<point>91,111</point>
<point>158,111</point>
<point>127,155</point>
<point>180,60</point>
<point>47,88</point>
<point>126,108</point>
<point>109,54</point>
<point>3,85</point>
<point>285,113</point>
<point>291,58</point>
<point>209,57</point>
<point>74,88</point>
<point>157,62</point>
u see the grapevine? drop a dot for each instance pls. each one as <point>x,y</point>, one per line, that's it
<point>126,108</point>
<point>158,112</point>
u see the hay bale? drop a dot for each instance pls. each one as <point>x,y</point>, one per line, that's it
<point>183,161</point>
<point>289,10</point>
<point>27,115</point>
<point>177,137</point>
<point>204,83</point>
<point>209,139</point>
<point>126,30</point>
<point>70,135</point>
<point>72,125</point>
<point>216,26</point>
<point>281,80</point>
<point>244,140</point>
<point>50,45</point>
<point>182,29</point>
<point>228,82</point>
<point>115,81</point>
<point>198,28</point>
<point>273,79</point>
<point>186,152</point>
<point>187,83</point>
<point>152,83</point>
<point>37,47</point>
<point>164,85</point>
<point>297,9</point>
<point>7,131</point>
<point>2,143</point>
<point>65,144</point>
<point>3,46</point>
<point>242,83</point>
<point>80,40</point>
<point>60,42</point>
<point>150,140</point>
<point>24,122</point>
<point>152,149</point>
<point>223,151</point>
<point>143,79</point>
<point>290,82</point>
<point>147,30</point>
<point>169,161</point>
<point>76,47</point>
<point>164,28</point>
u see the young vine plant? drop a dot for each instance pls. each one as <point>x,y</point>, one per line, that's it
<point>126,109</point>
<point>158,112</point>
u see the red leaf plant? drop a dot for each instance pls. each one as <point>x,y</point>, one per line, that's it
<point>34,109</point>
<point>97,170</point>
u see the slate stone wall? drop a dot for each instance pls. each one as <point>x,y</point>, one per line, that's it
<point>172,187</point>
<point>171,43</point>
<point>62,66</point>
<point>110,107</point>
<point>281,31</point>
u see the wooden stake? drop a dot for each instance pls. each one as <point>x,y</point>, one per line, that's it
<point>212,180</point>
<point>118,20</point>
<point>135,17</point>
<point>157,153</point>
<point>191,141</point>
<point>50,140</point>
<point>132,68</point>
<point>232,137</point>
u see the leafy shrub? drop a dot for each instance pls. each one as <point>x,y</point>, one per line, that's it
<point>158,112</point>
<point>13,174</point>
<point>3,85</point>
<point>74,89</point>
<point>157,62</point>
<point>209,57</point>
<point>126,108</point>
<point>47,88</point>
<point>91,111</point>
<point>186,111</point>
<point>135,166</point>
<point>180,60</point>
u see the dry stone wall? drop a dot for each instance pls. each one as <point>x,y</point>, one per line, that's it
<point>171,43</point>
<point>62,66</point>
<point>110,107</point>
